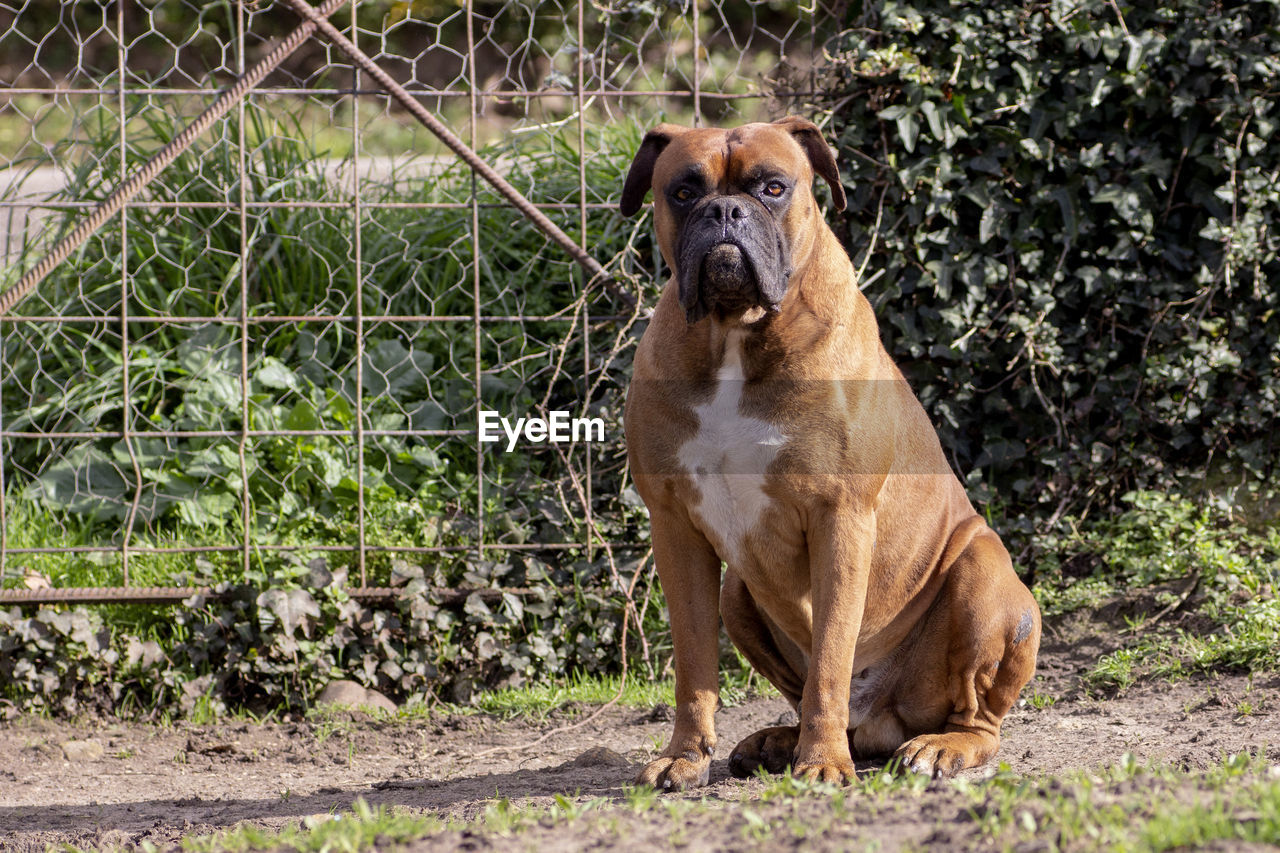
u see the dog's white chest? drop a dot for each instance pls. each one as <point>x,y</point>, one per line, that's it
<point>727,459</point>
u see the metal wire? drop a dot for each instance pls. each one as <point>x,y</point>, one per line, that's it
<point>457,146</point>
<point>178,594</point>
<point>566,66</point>
<point>135,183</point>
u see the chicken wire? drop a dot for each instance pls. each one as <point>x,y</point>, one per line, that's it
<point>286,338</point>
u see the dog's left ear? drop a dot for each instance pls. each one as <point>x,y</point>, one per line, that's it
<point>821,156</point>
<point>640,176</point>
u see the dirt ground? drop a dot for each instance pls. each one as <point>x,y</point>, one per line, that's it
<point>160,784</point>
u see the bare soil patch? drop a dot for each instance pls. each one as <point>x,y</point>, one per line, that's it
<point>161,783</point>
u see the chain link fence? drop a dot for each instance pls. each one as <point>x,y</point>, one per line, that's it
<point>278,351</point>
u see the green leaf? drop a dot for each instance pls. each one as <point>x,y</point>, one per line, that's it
<point>274,374</point>
<point>85,481</point>
<point>1067,207</point>
<point>936,122</point>
<point>392,370</point>
<point>303,416</point>
<point>208,508</point>
<point>992,217</point>
<point>291,609</point>
<point>908,130</point>
<point>339,408</point>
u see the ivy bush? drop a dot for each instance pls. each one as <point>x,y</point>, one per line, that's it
<point>1073,215</point>
<point>271,645</point>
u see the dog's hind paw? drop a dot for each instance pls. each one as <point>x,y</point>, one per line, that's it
<point>939,755</point>
<point>772,748</point>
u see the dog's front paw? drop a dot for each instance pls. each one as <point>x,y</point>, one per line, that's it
<point>676,772</point>
<point>835,771</point>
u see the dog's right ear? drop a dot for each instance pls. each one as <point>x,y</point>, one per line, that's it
<point>640,177</point>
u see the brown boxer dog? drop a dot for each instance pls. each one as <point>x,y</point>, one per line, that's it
<point>768,429</point>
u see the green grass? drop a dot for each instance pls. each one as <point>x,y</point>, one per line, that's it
<point>585,689</point>
<point>1201,587</point>
<point>539,700</point>
<point>1126,806</point>
<point>362,828</point>
<point>32,124</point>
<point>1131,806</point>
<point>578,693</point>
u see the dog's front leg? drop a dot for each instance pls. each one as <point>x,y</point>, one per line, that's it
<point>839,567</point>
<point>689,571</point>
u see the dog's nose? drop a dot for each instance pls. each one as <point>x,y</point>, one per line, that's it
<point>725,209</point>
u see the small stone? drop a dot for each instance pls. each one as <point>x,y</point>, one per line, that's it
<point>83,750</point>
<point>113,839</point>
<point>341,692</point>
<point>661,713</point>
<point>374,699</point>
<point>600,756</point>
<point>352,695</point>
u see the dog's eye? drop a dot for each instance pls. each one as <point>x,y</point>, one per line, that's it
<point>682,194</point>
<point>775,188</point>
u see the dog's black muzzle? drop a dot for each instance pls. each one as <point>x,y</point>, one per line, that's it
<point>732,257</point>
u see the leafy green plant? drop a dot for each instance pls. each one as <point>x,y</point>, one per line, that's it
<point>1072,215</point>
<point>283,625</point>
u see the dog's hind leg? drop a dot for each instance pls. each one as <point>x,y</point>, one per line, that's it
<point>977,650</point>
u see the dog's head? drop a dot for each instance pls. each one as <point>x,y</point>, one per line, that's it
<point>734,208</point>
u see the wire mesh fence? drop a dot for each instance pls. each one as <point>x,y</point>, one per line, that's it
<point>280,349</point>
